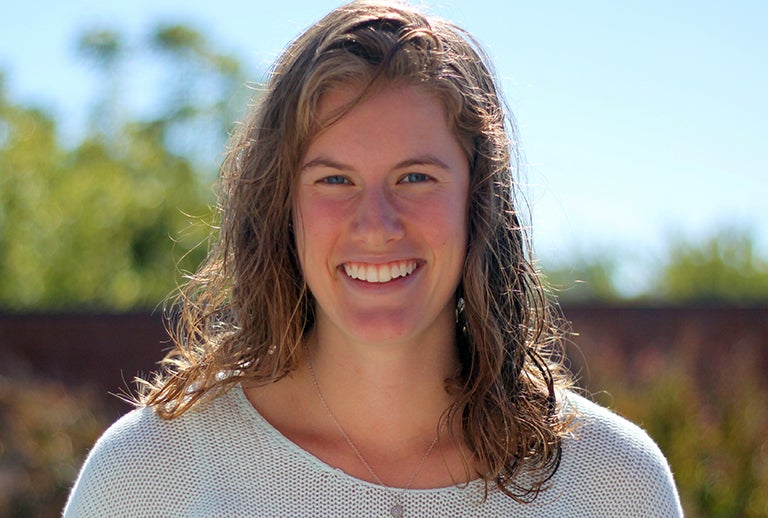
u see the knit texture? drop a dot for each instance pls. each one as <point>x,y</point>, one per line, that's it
<point>224,459</point>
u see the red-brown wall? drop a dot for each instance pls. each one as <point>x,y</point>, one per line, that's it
<point>107,351</point>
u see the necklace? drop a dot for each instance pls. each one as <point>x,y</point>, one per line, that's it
<point>397,510</point>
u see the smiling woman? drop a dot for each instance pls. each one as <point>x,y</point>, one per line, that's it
<point>368,335</point>
<point>400,201</point>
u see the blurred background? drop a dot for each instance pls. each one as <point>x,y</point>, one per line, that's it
<point>644,135</point>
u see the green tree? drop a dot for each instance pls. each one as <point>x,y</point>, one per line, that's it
<point>105,223</point>
<point>105,50</point>
<point>584,278</point>
<point>91,227</point>
<point>30,159</point>
<point>723,267</point>
<point>205,86</point>
<point>201,88</point>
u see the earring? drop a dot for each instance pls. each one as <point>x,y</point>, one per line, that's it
<point>461,318</point>
<point>459,312</point>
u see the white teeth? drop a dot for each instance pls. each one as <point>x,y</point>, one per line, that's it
<point>379,273</point>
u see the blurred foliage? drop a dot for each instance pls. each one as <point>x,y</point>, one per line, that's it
<point>105,223</point>
<point>585,278</point>
<point>91,226</point>
<point>722,267</point>
<point>708,415</point>
<point>102,45</point>
<point>45,430</point>
<point>194,91</point>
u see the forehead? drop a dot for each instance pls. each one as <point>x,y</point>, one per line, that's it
<point>394,118</point>
<point>386,130</point>
<point>340,103</point>
<point>340,99</point>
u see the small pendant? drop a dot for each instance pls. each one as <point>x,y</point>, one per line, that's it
<point>397,511</point>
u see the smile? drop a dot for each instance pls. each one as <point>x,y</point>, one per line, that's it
<point>380,272</point>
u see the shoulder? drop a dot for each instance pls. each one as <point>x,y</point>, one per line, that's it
<point>596,425</point>
<point>143,459</point>
<point>615,463</point>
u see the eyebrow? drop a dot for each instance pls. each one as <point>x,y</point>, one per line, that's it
<point>326,162</point>
<point>408,162</point>
<point>422,160</point>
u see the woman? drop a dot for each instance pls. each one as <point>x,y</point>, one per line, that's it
<point>368,335</point>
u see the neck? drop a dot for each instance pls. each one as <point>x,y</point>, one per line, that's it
<point>395,391</point>
<point>387,398</point>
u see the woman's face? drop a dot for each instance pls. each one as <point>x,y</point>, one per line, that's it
<point>381,216</point>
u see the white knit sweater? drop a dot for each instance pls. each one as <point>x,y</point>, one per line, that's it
<point>224,459</point>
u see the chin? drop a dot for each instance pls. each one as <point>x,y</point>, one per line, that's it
<point>382,328</point>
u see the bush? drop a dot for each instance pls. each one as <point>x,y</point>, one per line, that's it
<point>708,413</point>
<point>46,428</point>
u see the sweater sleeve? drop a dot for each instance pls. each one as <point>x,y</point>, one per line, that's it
<point>624,470</point>
<point>131,468</point>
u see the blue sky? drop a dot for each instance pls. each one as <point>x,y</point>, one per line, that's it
<point>639,120</point>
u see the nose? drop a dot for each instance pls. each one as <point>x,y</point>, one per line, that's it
<point>377,219</point>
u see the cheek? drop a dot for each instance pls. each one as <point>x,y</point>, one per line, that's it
<point>315,226</point>
<point>448,224</point>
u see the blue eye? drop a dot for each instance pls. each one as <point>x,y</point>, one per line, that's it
<point>335,180</point>
<point>415,178</point>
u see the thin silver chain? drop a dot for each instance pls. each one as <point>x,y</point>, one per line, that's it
<point>397,509</point>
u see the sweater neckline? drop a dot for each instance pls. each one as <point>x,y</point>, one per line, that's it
<point>258,421</point>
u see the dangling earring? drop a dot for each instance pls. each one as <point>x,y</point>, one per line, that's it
<point>461,317</point>
<point>459,312</point>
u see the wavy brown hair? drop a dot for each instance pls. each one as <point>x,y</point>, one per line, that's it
<point>244,314</point>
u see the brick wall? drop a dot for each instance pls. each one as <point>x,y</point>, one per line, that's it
<point>107,351</point>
